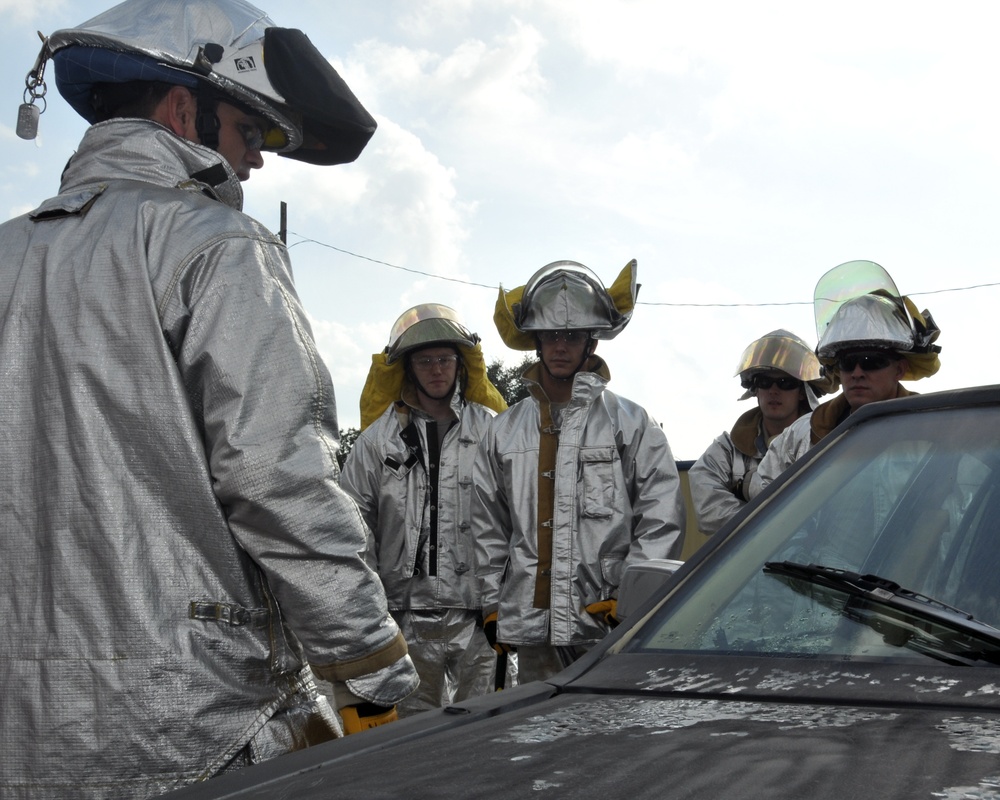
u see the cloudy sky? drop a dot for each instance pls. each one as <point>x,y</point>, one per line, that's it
<point>737,150</point>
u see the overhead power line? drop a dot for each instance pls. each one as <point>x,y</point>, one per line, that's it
<point>307,240</point>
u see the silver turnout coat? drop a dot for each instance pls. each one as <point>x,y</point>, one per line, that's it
<point>617,501</point>
<point>175,544</point>
<point>390,482</point>
<point>717,479</point>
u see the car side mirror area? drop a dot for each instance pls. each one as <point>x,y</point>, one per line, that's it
<point>641,581</point>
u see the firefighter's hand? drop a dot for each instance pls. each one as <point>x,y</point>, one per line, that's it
<point>362,716</point>
<point>606,610</point>
<point>490,629</point>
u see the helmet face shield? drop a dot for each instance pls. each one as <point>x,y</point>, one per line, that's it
<point>845,282</point>
<point>426,325</point>
<point>784,351</point>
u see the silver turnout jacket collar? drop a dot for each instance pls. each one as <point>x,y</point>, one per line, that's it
<point>143,150</point>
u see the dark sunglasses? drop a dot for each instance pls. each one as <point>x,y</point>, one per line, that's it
<point>765,382</point>
<point>869,362</point>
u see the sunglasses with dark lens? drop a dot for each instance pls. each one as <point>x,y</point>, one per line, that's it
<point>765,382</point>
<point>869,362</point>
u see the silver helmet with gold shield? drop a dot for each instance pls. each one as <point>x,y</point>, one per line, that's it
<point>783,351</point>
<point>426,325</point>
<point>565,295</point>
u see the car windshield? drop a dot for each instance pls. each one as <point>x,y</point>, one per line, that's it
<point>886,547</point>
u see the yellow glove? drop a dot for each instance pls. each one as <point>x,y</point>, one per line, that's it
<point>490,629</point>
<point>363,716</point>
<point>606,610</point>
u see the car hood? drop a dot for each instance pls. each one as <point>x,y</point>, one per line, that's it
<point>703,743</point>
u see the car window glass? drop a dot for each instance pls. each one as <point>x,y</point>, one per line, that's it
<point>912,498</point>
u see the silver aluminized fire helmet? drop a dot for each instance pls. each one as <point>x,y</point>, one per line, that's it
<point>858,307</point>
<point>221,49</point>
<point>783,351</point>
<point>871,320</point>
<point>424,326</point>
<point>565,295</point>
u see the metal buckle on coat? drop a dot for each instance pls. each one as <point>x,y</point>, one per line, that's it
<point>229,614</point>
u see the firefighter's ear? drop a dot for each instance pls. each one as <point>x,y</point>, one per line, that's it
<point>178,111</point>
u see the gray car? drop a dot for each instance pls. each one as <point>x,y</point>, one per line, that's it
<point>838,639</point>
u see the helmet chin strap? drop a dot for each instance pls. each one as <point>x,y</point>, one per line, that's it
<point>207,120</point>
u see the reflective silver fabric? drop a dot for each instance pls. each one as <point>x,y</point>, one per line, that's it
<point>173,36</point>
<point>391,490</point>
<point>785,449</point>
<point>867,321</point>
<point>169,439</point>
<point>617,500</point>
<point>566,295</point>
<point>391,487</point>
<point>451,654</point>
<point>713,479</point>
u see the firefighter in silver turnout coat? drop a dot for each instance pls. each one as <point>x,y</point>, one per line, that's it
<point>410,471</point>
<point>870,337</point>
<point>783,374</point>
<point>176,549</point>
<point>572,483</point>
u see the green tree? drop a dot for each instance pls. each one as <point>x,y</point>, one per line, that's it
<point>508,379</point>
<point>347,440</point>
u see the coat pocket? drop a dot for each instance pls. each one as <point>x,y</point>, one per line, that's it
<point>597,479</point>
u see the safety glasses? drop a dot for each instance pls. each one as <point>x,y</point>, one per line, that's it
<point>253,135</point>
<point>427,363</point>
<point>869,362</point>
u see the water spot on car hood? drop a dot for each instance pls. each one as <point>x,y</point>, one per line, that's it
<point>615,715</point>
<point>988,789</point>
<point>689,679</point>
<point>972,734</point>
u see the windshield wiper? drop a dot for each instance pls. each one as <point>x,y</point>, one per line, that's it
<point>904,618</point>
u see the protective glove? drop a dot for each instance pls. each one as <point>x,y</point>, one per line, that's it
<point>363,716</point>
<point>606,610</point>
<point>490,629</point>
<point>369,699</point>
<point>742,488</point>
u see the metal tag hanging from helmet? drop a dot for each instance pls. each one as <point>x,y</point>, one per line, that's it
<point>229,49</point>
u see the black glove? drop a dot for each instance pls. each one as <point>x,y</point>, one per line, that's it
<point>490,629</point>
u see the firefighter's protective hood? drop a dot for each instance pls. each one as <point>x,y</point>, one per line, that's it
<point>426,325</point>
